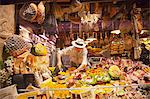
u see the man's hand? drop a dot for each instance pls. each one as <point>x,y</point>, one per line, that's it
<point>75,71</point>
<point>81,67</point>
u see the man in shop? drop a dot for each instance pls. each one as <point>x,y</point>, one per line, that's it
<point>73,56</point>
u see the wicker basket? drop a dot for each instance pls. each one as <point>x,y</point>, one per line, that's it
<point>28,12</point>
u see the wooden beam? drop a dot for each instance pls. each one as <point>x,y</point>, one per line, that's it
<point>103,1</point>
<point>5,2</point>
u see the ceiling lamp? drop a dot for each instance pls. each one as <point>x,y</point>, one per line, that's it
<point>144,31</point>
<point>115,32</point>
<point>89,40</point>
<point>90,19</point>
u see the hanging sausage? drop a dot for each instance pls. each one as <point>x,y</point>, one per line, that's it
<point>108,36</point>
<point>103,36</point>
<point>74,7</point>
<point>57,10</point>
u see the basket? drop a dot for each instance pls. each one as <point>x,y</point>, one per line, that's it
<point>16,45</point>
<point>28,12</point>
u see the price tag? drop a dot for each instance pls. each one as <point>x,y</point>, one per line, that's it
<point>86,95</point>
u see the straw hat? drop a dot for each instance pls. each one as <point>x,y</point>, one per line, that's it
<point>79,43</point>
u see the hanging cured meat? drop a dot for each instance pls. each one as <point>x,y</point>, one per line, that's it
<point>33,13</point>
<point>75,12</point>
<point>113,11</point>
<point>136,17</point>
<point>52,20</point>
<point>41,13</point>
<point>57,10</point>
<point>108,36</point>
<point>96,8</point>
<point>83,11</point>
<point>103,37</point>
<point>87,6</point>
<point>136,12</point>
<point>106,22</point>
<point>125,26</point>
<point>74,19</point>
<point>96,27</point>
<point>74,7</point>
<point>128,42</point>
<point>50,25</point>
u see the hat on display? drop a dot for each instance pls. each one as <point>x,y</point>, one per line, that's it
<point>33,13</point>
<point>79,43</point>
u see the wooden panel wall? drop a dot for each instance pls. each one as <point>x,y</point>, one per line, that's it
<point>7,24</point>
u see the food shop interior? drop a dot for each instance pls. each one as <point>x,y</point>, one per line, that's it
<point>75,49</point>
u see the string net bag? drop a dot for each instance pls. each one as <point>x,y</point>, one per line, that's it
<point>16,45</point>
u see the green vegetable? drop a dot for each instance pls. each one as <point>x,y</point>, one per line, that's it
<point>99,78</point>
<point>106,78</point>
<point>114,72</point>
<point>94,81</point>
<point>39,49</point>
<point>6,50</point>
<point>1,65</point>
<point>120,92</point>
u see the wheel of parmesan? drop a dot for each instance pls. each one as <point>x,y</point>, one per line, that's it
<point>128,43</point>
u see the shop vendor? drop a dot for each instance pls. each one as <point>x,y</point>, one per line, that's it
<point>73,56</point>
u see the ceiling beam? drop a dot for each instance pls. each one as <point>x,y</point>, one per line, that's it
<point>107,1</point>
<point>5,2</point>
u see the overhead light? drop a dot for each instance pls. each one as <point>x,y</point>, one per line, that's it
<point>89,40</point>
<point>144,39</point>
<point>144,31</point>
<point>115,32</point>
